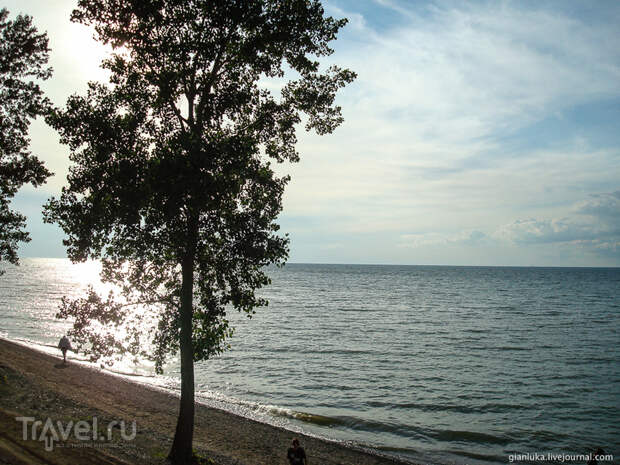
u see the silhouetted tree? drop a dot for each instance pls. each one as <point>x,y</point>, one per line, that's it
<point>172,184</point>
<point>23,57</point>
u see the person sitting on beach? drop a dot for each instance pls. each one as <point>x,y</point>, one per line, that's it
<point>599,453</point>
<point>297,455</point>
<point>64,345</point>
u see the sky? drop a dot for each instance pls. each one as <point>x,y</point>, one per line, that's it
<point>476,133</point>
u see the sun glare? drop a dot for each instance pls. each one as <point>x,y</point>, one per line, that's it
<point>76,49</point>
<point>87,273</point>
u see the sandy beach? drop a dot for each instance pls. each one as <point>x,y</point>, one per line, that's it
<point>35,386</point>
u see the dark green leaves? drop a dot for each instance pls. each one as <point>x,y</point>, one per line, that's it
<point>23,59</point>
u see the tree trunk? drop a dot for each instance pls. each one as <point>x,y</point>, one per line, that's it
<point>181,451</point>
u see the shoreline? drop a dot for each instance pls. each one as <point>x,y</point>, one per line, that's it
<point>79,392</point>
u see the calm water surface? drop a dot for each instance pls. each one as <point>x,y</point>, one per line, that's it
<point>436,364</point>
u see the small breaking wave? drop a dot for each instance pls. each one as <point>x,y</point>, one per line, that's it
<point>268,409</point>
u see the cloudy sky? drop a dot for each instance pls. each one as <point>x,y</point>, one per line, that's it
<point>477,133</point>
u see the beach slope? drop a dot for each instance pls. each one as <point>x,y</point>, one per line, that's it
<point>35,386</point>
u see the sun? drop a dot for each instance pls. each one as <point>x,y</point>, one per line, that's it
<point>87,273</point>
<point>85,53</point>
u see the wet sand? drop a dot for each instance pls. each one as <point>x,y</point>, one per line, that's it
<point>37,385</point>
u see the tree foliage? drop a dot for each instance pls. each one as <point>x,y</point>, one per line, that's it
<point>24,55</point>
<point>172,183</point>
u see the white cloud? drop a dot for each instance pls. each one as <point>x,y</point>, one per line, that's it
<point>544,230</point>
<point>422,148</point>
<point>462,74</point>
<point>468,238</point>
<point>605,207</point>
<point>594,225</point>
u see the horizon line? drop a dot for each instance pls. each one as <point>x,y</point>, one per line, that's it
<point>398,264</point>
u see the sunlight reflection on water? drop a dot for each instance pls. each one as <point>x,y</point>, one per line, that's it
<point>30,296</point>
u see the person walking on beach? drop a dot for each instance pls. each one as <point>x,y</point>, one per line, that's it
<point>64,345</point>
<point>296,455</point>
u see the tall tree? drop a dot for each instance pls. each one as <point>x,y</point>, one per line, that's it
<point>172,184</point>
<point>23,58</point>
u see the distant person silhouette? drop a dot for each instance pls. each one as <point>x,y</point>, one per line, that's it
<point>599,452</point>
<point>64,345</point>
<point>296,455</point>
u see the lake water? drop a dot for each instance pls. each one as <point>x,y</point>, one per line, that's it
<point>436,364</point>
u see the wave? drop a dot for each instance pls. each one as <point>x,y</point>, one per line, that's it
<point>399,429</point>
<point>403,430</point>
<point>269,409</point>
<point>484,408</point>
<point>470,436</point>
<point>475,456</point>
<point>132,374</point>
<point>398,450</point>
<point>315,419</point>
<point>510,348</point>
